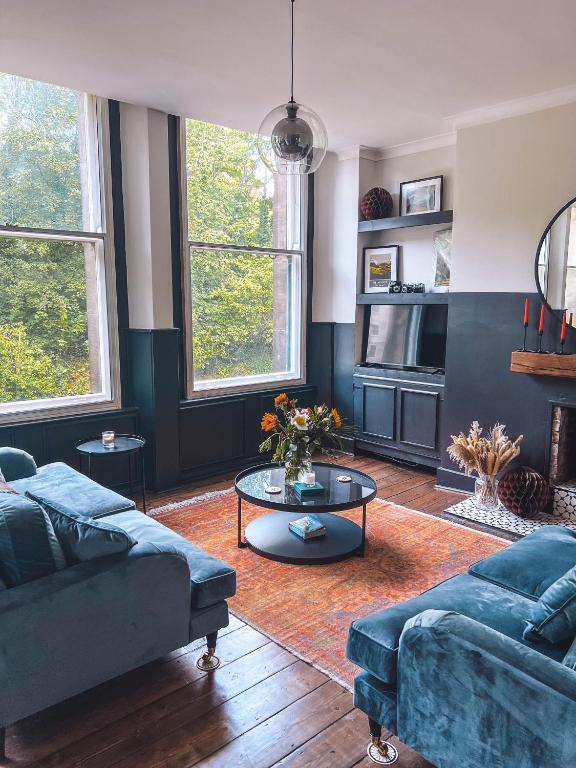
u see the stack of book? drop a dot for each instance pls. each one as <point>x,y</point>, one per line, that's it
<point>307,527</point>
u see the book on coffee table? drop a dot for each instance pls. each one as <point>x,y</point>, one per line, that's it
<point>303,489</point>
<point>307,527</point>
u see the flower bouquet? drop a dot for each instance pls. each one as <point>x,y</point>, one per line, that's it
<point>487,456</point>
<point>299,432</point>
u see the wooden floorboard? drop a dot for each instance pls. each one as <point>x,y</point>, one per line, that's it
<point>263,708</point>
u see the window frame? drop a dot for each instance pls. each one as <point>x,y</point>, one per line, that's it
<point>244,384</point>
<point>100,189</point>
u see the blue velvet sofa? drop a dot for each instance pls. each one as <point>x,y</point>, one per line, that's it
<point>78,627</point>
<point>450,673</point>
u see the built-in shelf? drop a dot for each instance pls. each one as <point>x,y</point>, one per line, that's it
<point>400,222</point>
<point>542,364</point>
<point>402,298</point>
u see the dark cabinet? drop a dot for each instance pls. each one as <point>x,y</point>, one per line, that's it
<point>398,414</point>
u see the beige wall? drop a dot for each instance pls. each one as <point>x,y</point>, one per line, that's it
<point>146,193</point>
<point>335,239</point>
<point>511,178</point>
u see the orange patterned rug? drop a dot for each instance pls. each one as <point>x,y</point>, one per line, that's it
<point>308,609</point>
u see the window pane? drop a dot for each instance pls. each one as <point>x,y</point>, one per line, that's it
<point>49,319</point>
<point>232,197</point>
<point>245,314</point>
<point>40,155</point>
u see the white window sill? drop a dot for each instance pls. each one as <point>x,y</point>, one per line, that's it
<point>58,407</point>
<point>245,384</point>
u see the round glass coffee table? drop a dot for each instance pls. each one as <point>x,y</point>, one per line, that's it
<point>270,536</point>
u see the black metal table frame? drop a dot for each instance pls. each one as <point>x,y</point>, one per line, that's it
<point>128,452</point>
<point>279,507</point>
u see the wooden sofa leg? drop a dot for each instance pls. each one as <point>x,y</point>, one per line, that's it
<point>381,752</point>
<point>208,662</point>
<point>2,744</point>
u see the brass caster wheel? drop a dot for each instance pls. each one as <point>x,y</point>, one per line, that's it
<point>208,662</point>
<point>382,752</point>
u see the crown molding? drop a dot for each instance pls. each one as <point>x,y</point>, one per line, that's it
<point>419,145</point>
<point>514,108</point>
<point>348,153</point>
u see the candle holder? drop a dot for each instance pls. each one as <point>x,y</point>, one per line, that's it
<point>524,340</point>
<point>108,439</point>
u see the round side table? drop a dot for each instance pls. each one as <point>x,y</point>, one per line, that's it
<point>131,446</point>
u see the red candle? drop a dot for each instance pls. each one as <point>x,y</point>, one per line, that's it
<point>541,324</point>
<point>563,328</point>
<point>525,311</point>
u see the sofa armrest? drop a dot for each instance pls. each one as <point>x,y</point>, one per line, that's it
<point>16,464</point>
<point>79,627</point>
<point>468,695</point>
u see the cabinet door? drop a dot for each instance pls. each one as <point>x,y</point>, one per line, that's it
<point>418,418</point>
<point>376,408</point>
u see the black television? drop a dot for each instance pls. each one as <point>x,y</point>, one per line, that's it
<point>406,336</point>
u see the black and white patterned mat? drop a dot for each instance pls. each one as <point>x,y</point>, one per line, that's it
<point>506,521</point>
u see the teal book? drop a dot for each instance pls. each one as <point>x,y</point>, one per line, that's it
<point>308,490</point>
<point>307,527</point>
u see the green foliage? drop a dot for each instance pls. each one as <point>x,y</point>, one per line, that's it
<point>230,200</point>
<point>43,322</point>
<point>39,155</point>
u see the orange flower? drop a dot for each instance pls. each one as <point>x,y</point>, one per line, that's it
<point>336,418</point>
<point>281,399</point>
<point>269,421</point>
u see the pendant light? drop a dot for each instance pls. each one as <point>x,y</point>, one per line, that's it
<point>292,138</point>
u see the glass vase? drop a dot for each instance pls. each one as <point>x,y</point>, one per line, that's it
<point>486,493</point>
<point>298,459</point>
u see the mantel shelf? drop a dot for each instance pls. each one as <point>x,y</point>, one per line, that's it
<point>400,222</point>
<point>542,364</point>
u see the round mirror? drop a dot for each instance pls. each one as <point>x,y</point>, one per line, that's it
<point>556,264</point>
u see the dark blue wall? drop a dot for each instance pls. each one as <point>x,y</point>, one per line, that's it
<point>483,329</point>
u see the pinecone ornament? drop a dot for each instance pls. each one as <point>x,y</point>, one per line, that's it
<point>376,204</point>
<point>524,492</point>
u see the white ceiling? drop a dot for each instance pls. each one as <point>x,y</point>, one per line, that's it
<point>379,72</point>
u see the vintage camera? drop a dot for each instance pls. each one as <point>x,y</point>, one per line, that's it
<point>395,287</point>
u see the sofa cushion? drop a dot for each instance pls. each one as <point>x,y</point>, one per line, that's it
<point>532,564</point>
<point>84,539</point>
<point>16,464</point>
<point>61,484</point>
<point>29,548</point>
<point>373,640</point>
<point>553,618</point>
<point>211,579</point>
<point>570,658</point>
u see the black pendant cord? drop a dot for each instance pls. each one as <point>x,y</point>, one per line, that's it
<point>292,56</point>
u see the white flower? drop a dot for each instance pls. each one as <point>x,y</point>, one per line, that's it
<point>300,420</point>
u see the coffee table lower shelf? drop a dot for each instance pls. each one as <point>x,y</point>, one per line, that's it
<point>269,536</point>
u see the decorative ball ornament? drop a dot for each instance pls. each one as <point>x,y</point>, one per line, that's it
<point>376,204</point>
<point>524,492</point>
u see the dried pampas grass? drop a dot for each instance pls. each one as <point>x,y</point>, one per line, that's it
<point>485,455</point>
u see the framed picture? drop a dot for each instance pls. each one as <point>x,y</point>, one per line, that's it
<point>442,259</point>
<point>421,196</point>
<point>380,267</point>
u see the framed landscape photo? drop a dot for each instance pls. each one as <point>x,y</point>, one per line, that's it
<point>421,196</point>
<point>380,268</point>
<point>442,259</point>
